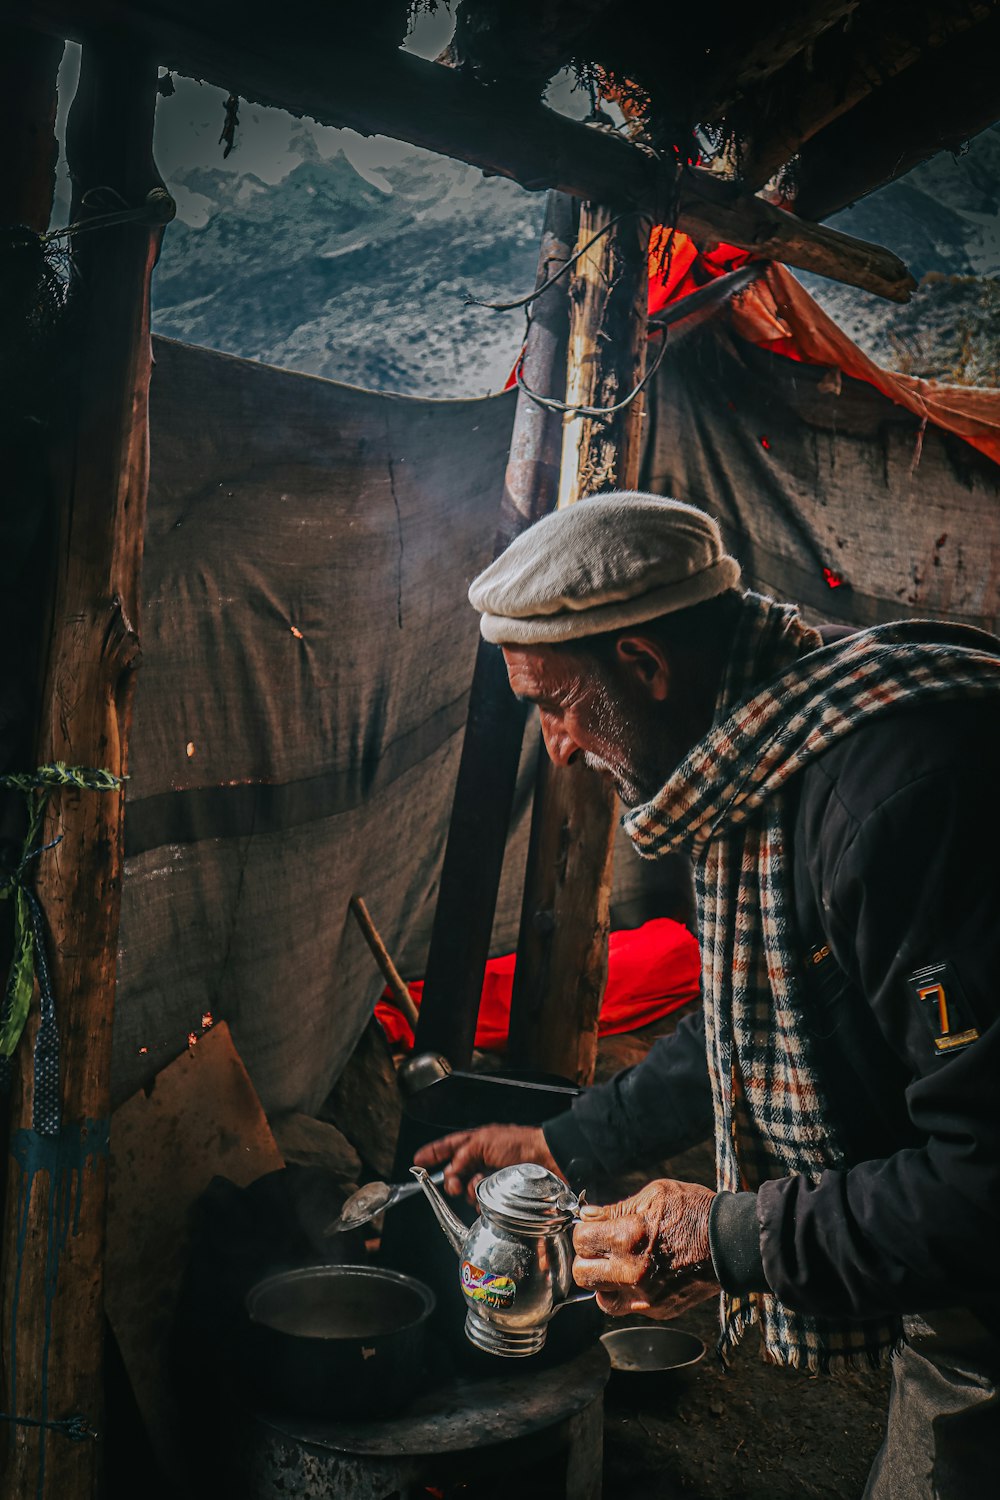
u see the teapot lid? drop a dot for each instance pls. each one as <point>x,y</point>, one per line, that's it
<point>530,1195</point>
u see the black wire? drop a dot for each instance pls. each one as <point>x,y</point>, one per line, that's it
<point>550,403</point>
<point>707,296</point>
<point>556,275</point>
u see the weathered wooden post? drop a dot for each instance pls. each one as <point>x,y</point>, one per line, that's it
<point>563,941</point>
<point>484,794</point>
<point>55,1203</point>
<point>29,64</point>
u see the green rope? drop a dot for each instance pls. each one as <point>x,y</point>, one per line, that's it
<point>37,787</point>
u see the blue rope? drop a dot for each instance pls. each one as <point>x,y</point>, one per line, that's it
<point>75,1428</point>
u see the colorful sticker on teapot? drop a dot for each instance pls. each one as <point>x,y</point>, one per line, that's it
<point>481,1286</point>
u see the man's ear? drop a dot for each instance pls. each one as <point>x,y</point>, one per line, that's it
<point>647,664</point>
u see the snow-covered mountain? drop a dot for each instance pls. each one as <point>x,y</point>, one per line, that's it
<point>364,278</point>
<point>358,279</point>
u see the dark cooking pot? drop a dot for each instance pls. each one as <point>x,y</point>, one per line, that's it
<point>337,1341</point>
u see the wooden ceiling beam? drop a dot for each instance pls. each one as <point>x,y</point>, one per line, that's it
<point>522,42</point>
<point>811,93</point>
<point>396,94</point>
<point>383,92</point>
<point>749,60</point>
<point>880,140</point>
<point>933,106</point>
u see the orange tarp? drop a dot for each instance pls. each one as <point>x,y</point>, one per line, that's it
<point>778,314</point>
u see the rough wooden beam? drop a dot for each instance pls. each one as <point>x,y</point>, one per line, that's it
<point>55,1202</point>
<point>562,949</point>
<point>745,62</point>
<point>382,91</point>
<point>933,106</point>
<point>522,42</point>
<point>714,211</point>
<point>29,63</point>
<point>392,93</point>
<point>842,71</point>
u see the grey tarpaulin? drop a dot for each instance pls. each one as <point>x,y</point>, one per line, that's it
<point>808,470</point>
<point>308,647</point>
<point>307,654</point>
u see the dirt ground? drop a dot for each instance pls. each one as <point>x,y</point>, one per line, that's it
<point>751,1432</point>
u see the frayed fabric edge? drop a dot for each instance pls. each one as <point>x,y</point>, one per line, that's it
<point>817,1362</point>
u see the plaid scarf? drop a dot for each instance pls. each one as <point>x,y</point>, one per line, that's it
<point>785,699</point>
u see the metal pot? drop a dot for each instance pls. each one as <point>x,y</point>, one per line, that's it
<point>337,1341</point>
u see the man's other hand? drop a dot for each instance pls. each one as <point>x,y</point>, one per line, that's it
<point>648,1254</point>
<point>470,1155</point>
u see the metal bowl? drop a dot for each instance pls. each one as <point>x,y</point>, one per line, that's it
<point>651,1350</point>
<point>337,1341</point>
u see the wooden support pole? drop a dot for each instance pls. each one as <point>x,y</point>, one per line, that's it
<point>484,793</point>
<point>53,1244</point>
<point>562,951</point>
<point>29,64</point>
<point>401,997</point>
<point>714,211</point>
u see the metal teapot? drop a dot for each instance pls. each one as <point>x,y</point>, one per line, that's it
<point>516,1260</point>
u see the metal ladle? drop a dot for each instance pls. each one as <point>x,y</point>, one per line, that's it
<point>362,1206</point>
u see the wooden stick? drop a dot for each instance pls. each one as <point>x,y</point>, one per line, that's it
<point>401,997</point>
<point>54,1226</point>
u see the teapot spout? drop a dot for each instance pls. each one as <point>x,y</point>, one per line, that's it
<point>449,1221</point>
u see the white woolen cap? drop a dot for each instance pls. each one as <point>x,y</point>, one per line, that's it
<point>601,564</point>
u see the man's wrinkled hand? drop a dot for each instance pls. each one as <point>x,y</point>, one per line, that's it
<point>470,1155</point>
<point>647,1254</point>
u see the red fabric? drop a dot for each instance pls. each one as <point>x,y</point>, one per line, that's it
<point>677,268</point>
<point>652,970</point>
<point>778,314</point>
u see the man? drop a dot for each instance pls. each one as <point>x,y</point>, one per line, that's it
<point>836,793</point>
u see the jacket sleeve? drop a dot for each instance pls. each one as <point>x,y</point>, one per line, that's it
<point>659,1107</point>
<point>914,886</point>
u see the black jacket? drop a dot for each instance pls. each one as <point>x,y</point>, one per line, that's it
<point>896,870</point>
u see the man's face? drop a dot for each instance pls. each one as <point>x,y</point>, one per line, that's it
<point>613,716</point>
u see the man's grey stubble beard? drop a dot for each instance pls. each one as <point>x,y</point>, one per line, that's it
<point>626,789</point>
<point>643,760</point>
